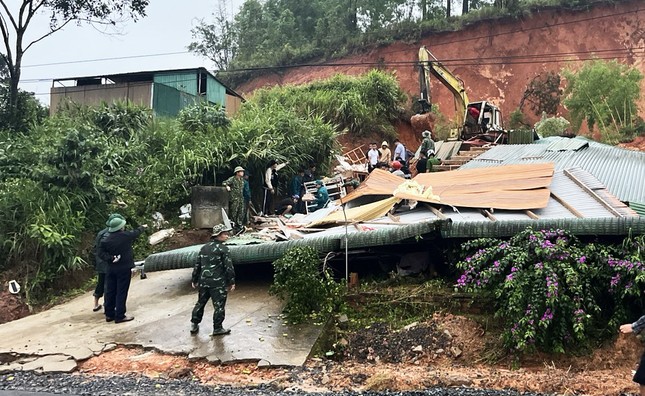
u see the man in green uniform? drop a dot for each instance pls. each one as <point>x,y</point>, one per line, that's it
<point>236,207</point>
<point>433,162</point>
<point>215,276</point>
<point>428,143</point>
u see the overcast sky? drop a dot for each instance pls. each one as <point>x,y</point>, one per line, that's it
<point>165,29</point>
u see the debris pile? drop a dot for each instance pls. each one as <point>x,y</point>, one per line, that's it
<point>380,344</point>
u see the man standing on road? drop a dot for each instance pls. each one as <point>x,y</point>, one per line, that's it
<point>100,265</point>
<point>236,207</point>
<point>215,276</point>
<point>116,249</point>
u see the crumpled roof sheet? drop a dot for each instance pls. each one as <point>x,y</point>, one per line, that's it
<point>513,187</point>
<point>367,212</point>
<point>621,171</point>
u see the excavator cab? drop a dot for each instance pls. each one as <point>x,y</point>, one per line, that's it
<point>483,121</point>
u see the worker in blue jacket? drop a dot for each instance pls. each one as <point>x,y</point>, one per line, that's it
<point>322,196</point>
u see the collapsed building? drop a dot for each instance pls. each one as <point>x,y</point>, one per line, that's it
<point>556,183</point>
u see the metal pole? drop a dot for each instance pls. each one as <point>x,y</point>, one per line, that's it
<point>346,248</point>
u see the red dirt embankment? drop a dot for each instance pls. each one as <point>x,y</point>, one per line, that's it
<point>497,58</point>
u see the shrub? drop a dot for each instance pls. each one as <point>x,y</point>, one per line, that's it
<point>305,286</point>
<point>543,287</point>
<point>552,126</point>
<point>203,116</point>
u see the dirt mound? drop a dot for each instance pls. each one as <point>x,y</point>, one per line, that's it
<point>11,307</point>
<point>378,343</point>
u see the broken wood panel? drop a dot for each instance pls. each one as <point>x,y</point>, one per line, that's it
<point>510,200</point>
<point>486,175</point>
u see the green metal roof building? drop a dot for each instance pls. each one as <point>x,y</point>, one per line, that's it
<point>166,92</point>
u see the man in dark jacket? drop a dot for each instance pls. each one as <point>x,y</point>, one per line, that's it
<point>214,274</point>
<point>100,265</point>
<point>116,249</point>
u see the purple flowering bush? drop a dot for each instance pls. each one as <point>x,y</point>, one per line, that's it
<point>542,283</point>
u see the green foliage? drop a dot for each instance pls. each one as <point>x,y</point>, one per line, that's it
<point>307,288</point>
<point>516,119</point>
<point>59,181</point>
<point>543,94</point>
<point>603,93</point>
<point>553,292</point>
<point>360,105</point>
<point>30,111</point>
<point>203,116</point>
<point>552,126</point>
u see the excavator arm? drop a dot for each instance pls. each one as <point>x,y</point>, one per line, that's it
<point>430,65</point>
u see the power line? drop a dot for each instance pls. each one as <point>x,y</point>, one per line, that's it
<point>492,60</point>
<point>516,60</point>
<point>106,59</point>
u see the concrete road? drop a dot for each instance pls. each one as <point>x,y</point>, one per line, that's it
<point>162,305</point>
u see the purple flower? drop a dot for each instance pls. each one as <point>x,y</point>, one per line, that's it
<point>582,259</point>
<point>539,265</point>
<point>509,277</point>
<point>548,315</point>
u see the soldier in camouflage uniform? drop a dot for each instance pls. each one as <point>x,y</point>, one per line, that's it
<point>213,274</point>
<point>236,206</point>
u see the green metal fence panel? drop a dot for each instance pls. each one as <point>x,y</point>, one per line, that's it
<point>520,136</point>
<point>186,81</point>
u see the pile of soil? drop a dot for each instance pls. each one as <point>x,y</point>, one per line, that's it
<point>379,343</point>
<point>11,307</point>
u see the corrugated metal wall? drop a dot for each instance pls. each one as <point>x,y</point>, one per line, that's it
<point>215,92</point>
<point>168,101</point>
<point>185,81</point>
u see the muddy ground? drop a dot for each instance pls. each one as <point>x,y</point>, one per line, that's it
<point>447,350</point>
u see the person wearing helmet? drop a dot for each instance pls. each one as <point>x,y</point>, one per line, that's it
<point>116,249</point>
<point>396,169</point>
<point>214,275</point>
<point>236,207</point>
<point>428,143</point>
<point>101,266</point>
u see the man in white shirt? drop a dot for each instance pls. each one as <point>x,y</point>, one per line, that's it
<point>372,157</point>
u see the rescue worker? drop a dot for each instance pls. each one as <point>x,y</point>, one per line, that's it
<point>428,143</point>
<point>214,274</point>
<point>322,196</point>
<point>116,249</point>
<point>236,207</point>
<point>101,266</point>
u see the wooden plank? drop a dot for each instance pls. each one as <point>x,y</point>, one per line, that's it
<point>436,211</point>
<point>592,193</point>
<point>567,206</point>
<point>532,215</point>
<point>489,215</point>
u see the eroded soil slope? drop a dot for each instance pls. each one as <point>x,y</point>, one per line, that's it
<point>497,58</point>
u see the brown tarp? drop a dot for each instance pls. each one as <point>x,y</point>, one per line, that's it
<point>513,187</point>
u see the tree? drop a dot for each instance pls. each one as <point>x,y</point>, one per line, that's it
<point>15,23</point>
<point>543,94</point>
<point>216,41</point>
<point>603,93</point>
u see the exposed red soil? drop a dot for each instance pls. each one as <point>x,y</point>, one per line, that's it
<point>636,144</point>
<point>11,307</point>
<point>606,372</point>
<point>495,58</point>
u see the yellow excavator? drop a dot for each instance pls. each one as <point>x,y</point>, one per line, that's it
<point>479,123</point>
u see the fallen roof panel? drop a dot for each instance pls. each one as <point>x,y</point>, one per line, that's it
<point>510,187</point>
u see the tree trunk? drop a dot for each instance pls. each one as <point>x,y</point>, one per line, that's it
<point>448,10</point>
<point>464,7</point>
<point>14,80</point>
<point>352,20</point>
<point>424,10</point>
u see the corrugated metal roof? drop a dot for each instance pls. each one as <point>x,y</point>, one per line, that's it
<point>638,207</point>
<point>621,171</point>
